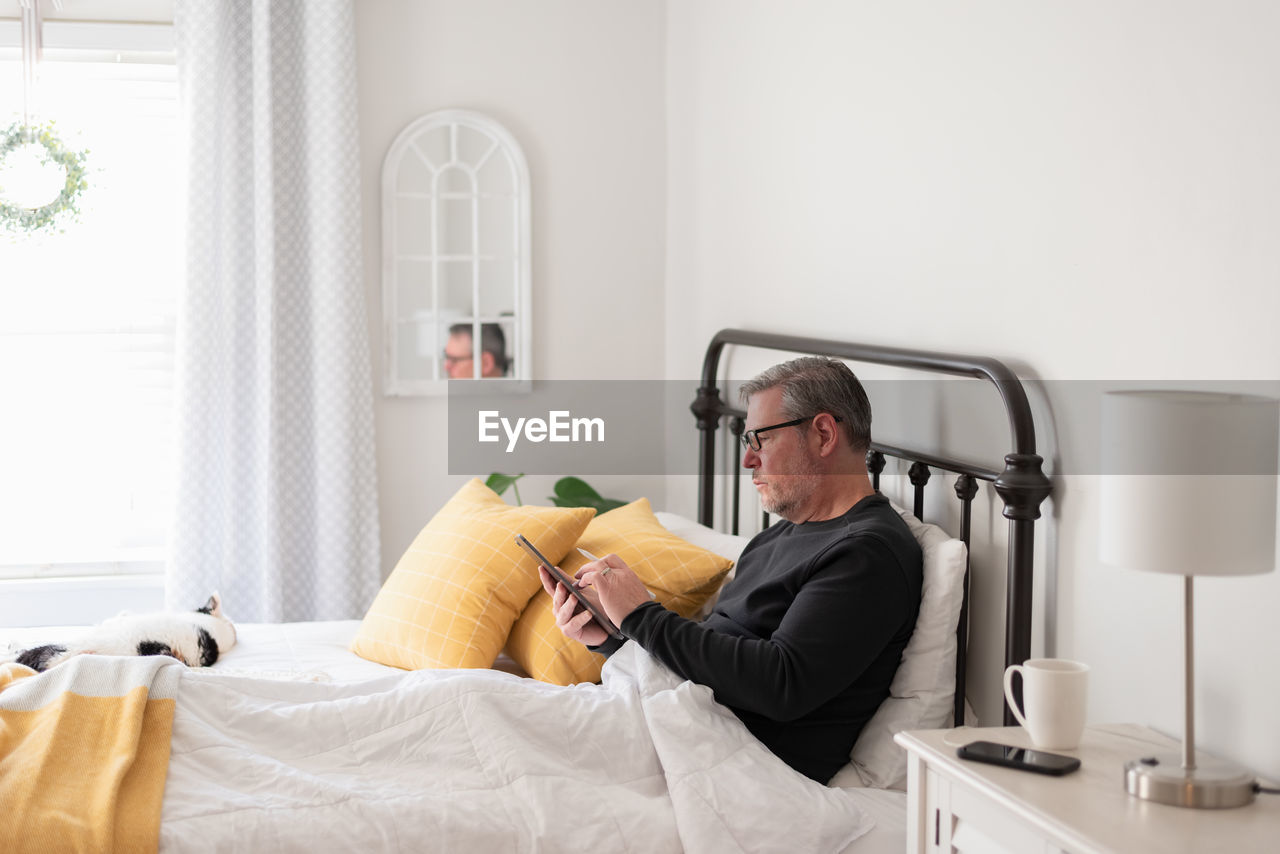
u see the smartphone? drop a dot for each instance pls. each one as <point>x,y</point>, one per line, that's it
<point>1019,757</point>
<point>571,585</point>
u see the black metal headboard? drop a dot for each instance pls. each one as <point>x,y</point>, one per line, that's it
<point>1021,485</point>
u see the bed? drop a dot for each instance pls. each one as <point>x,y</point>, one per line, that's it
<point>293,743</point>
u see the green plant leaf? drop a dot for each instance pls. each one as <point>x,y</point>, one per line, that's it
<point>499,482</point>
<point>607,504</point>
<point>574,489</point>
<point>602,505</point>
<point>575,492</point>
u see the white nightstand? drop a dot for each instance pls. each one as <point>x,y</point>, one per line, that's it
<point>960,805</point>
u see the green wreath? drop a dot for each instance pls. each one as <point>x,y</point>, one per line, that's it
<point>64,208</point>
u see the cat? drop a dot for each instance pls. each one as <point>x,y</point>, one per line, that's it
<point>195,638</point>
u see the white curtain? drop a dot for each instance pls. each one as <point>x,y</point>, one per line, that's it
<point>277,492</point>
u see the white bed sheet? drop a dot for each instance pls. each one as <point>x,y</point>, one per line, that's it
<point>316,651</point>
<point>319,651</point>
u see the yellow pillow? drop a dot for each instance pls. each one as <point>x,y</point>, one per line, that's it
<point>682,575</point>
<point>453,596</point>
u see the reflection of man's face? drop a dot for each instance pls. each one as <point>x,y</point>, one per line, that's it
<point>458,361</point>
<point>458,358</point>
<point>783,470</point>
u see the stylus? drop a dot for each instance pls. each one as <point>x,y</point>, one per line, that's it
<point>589,556</point>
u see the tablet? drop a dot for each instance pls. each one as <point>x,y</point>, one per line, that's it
<point>572,586</point>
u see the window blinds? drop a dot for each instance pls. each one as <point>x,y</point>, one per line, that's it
<point>87,316</point>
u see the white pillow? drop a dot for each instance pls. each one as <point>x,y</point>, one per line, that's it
<point>728,546</point>
<point>922,693</point>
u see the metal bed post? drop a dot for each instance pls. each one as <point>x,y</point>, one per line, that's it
<point>919,474</point>
<point>966,488</point>
<point>736,427</point>
<point>707,410</point>
<point>875,465</point>
<point>1022,486</point>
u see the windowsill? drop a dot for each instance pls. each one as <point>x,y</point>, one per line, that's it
<point>121,562</point>
<point>77,600</point>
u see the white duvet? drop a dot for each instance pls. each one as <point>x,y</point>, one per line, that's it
<point>483,761</point>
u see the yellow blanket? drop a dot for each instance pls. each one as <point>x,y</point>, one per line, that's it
<point>84,750</point>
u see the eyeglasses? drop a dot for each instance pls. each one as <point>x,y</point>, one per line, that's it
<point>450,359</point>
<point>751,439</point>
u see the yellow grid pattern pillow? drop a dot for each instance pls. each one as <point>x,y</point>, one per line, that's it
<point>682,575</point>
<point>453,596</point>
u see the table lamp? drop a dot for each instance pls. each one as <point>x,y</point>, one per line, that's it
<point>1189,488</point>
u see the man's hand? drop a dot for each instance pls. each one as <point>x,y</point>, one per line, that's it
<point>618,588</point>
<point>572,619</point>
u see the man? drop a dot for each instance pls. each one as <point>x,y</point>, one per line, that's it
<point>459,356</point>
<point>803,643</point>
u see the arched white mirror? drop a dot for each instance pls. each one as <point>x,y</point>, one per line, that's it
<point>455,254</point>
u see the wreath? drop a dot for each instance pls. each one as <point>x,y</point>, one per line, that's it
<point>62,209</point>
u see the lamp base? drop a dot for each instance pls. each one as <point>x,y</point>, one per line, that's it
<point>1212,784</point>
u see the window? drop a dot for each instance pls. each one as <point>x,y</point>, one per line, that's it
<point>455,237</point>
<point>87,316</point>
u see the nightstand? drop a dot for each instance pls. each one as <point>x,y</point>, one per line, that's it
<point>959,805</point>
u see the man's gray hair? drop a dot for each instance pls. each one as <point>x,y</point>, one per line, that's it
<point>815,384</point>
<point>492,340</point>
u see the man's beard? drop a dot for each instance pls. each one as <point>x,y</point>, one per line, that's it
<point>789,491</point>
<point>779,505</point>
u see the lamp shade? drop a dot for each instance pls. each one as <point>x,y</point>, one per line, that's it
<point>1189,482</point>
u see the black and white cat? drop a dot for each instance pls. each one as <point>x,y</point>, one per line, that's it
<point>195,638</point>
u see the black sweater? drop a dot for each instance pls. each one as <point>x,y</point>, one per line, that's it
<point>803,643</point>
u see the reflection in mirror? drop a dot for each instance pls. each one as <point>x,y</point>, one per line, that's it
<point>457,289</point>
<point>495,300</point>
<point>454,222</point>
<point>469,357</point>
<point>456,266</point>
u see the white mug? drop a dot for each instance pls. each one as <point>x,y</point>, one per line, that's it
<point>1053,695</point>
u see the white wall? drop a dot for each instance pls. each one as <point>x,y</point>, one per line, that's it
<point>581,86</point>
<point>1085,190</point>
